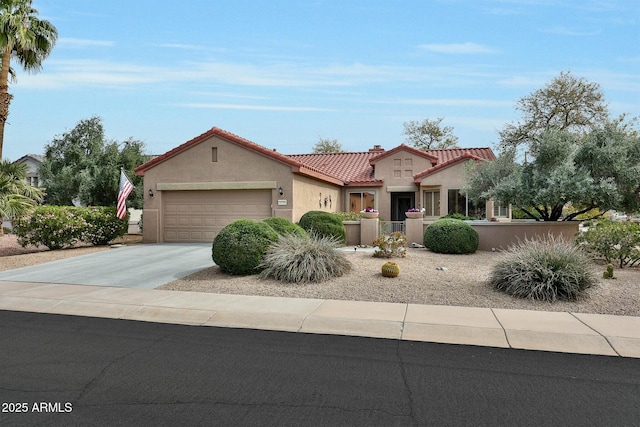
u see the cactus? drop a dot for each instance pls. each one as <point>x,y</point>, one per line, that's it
<point>608,274</point>
<point>390,269</point>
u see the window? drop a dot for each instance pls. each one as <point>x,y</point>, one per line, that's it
<point>459,203</point>
<point>359,200</point>
<point>500,211</point>
<point>214,154</point>
<point>432,202</point>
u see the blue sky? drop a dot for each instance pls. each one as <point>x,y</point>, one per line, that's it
<point>284,73</point>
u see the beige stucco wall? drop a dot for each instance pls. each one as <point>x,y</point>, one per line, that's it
<point>399,168</point>
<point>397,172</point>
<point>452,178</point>
<point>310,195</point>
<point>501,235</point>
<point>235,168</point>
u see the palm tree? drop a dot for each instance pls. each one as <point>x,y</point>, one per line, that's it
<point>17,197</point>
<point>25,38</point>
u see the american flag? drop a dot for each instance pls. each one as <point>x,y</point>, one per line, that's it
<point>125,188</point>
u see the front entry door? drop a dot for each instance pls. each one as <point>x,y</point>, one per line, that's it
<point>400,203</point>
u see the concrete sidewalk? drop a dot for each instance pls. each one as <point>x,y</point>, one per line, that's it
<point>522,329</point>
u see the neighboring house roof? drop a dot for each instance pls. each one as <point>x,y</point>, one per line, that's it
<point>36,157</point>
<point>342,168</point>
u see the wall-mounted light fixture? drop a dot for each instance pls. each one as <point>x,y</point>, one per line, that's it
<point>150,192</point>
<point>280,191</point>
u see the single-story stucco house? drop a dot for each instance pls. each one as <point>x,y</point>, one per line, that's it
<point>195,189</point>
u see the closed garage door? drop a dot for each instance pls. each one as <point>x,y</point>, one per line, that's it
<point>198,216</point>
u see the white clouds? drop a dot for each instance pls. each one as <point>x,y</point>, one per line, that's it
<point>73,72</point>
<point>468,48</point>
<point>63,74</point>
<point>70,42</point>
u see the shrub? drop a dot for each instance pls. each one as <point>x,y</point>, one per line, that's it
<point>102,225</point>
<point>461,217</point>
<point>240,246</point>
<point>613,241</point>
<point>543,269</point>
<point>304,259</point>
<point>518,213</point>
<point>391,245</point>
<point>324,224</point>
<point>57,227</point>
<point>52,226</point>
<point>284,226</point>
<point>451,236</point>
<point>349,216</point>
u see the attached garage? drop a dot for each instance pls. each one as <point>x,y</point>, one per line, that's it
<point>194,190</point>
<point>198,216</point>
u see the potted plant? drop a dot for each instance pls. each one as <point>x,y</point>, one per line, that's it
<point>369,213</point>
<point>414,213</point>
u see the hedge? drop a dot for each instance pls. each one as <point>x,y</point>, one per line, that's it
<point>57,227</point>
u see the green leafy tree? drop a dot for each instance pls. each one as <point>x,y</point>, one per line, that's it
<point>602,171</point>
<point>325,145</point>
<point>82,165</point>
<point>17,198</point>
<point>429,134</point>
<point>24,38</point>
<point>566,103</point>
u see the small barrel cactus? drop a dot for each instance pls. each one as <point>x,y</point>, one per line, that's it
<point>608,274</point>
<point>390,269</point>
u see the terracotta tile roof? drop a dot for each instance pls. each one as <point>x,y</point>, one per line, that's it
<point>349,167</point>
<point>403,147</point>
<point>345,168</point>
<point>296,166</point>
<point>466,155</point>
<point>444,155</point>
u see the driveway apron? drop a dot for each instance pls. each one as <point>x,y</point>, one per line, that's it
<point>139,266</point>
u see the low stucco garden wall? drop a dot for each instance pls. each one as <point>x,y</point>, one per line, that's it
<point>493,235</point>
<point>500,235</point>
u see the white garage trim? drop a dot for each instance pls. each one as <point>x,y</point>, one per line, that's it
<point>240,185</point>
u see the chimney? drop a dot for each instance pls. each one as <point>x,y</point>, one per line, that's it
<point>376,148</point>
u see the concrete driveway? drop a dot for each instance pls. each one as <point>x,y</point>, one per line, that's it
<point>139,266</point>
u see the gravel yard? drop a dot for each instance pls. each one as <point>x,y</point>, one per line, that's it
<point>463,283</point>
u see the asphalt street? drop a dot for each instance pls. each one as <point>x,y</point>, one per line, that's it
<point>66,370</point>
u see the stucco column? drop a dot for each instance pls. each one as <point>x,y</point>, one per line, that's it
<point>369,230</point>
<point>414,230</point>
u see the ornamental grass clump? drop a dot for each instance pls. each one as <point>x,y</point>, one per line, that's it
<point>546,269</point>
<point>304,259</point>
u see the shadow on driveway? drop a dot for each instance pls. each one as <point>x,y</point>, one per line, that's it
<point>140,266</point>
